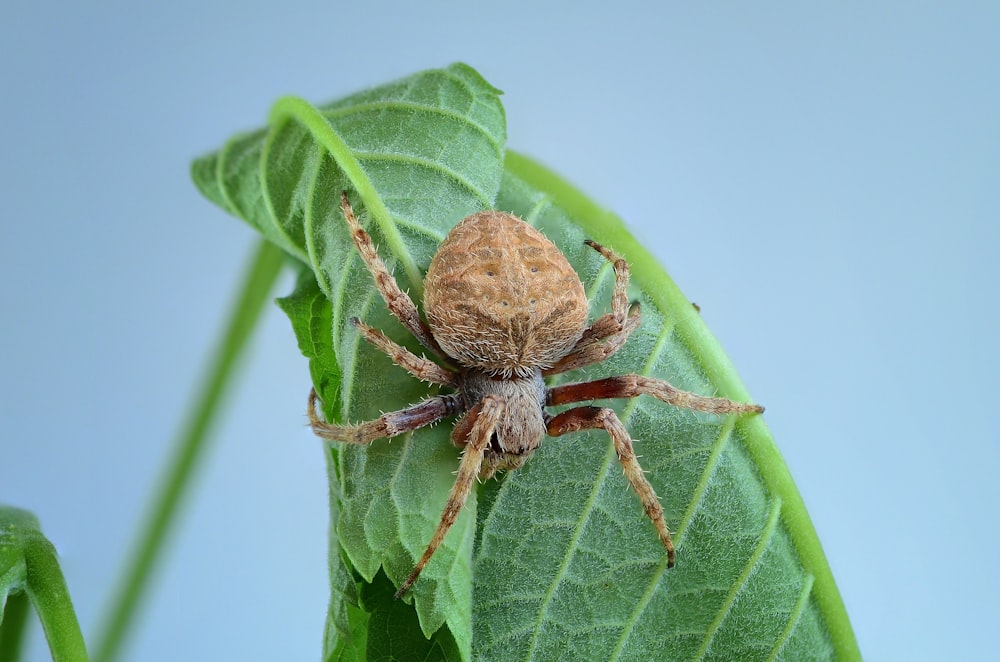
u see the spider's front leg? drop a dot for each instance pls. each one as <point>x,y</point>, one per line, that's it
<point>417,366</point>
<point>399,302</point>
<point>387,425</point>
<point>590,418</point>
<point>610,331</point>
<point>630,386</point>
<point>483,417</point>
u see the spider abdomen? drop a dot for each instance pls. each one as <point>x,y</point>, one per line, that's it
<point>501,297</point>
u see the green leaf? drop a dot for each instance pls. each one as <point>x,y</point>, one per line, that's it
<point>28,565</point>
<point>559,557</point>
<point>393,632</point>
<point>417,156</point>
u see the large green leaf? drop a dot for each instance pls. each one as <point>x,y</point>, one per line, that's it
<point>557,559</point>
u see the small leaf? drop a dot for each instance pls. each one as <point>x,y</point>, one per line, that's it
<point>311,315</point>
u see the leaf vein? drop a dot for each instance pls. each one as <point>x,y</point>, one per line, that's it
<point>348,376</point>
<point>346,111</point>
<point>793,618</point>
<point>696,499</point>
<point>416,228</point>
<point>448,73</point>
<point>766,535</point>
<point>433,166</point>
<point>531,218</point>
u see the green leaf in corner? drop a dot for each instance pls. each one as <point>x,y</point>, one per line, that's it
<point>29,567</point>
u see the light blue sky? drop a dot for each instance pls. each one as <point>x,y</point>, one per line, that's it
<point>824,181</point>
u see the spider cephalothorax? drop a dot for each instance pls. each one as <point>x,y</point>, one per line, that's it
<point>505,307</point>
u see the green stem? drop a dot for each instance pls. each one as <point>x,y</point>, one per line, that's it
<point>29,569</point>
<point>47,590</point>
<point>190,447</point>
<point>12,627</point>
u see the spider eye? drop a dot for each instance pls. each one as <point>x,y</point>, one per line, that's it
<point>534,270</point>
<point>490,273</point>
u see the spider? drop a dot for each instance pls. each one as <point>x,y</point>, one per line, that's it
<point>505,309</point>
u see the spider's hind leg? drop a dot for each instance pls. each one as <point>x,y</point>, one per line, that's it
<point>619,298</point>
<point>483,417</point>
<point>590,418</point>
<point>387,425</point>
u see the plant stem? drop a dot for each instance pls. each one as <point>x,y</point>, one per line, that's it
<point>47,590</point>
<point>29,570</point>
<point>190,446</point>
<point>12,627</point>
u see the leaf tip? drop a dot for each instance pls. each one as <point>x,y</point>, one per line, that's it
<point>203,174</point>
<point>471,75</point>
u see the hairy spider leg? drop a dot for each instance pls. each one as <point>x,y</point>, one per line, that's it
<point>598,347</point>
<point>609,332</point>
<point>399,302</point>
<point>418,366</point>
<point>484,417</point>
<point>631,386</point>
<point>590,418</point>
<point>619,298</point>
<point>387,425</point>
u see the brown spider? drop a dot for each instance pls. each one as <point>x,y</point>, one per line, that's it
<point>504,305</point>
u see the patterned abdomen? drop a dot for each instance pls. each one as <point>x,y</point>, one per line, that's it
<point>500,296</point>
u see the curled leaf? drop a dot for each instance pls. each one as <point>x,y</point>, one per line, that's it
<point>556,560</point>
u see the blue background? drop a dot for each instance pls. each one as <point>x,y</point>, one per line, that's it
<point>822,180</point>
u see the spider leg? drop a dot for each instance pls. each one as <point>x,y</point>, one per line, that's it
<point>599,346</point>
<point>630,386</point>
<point>619,298</point>
<point>589,418</point>
<point>399,302</point>
<point>387,425</point>
<point>484,417</point>
<point>418,366</point>
<point>610,331</point>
